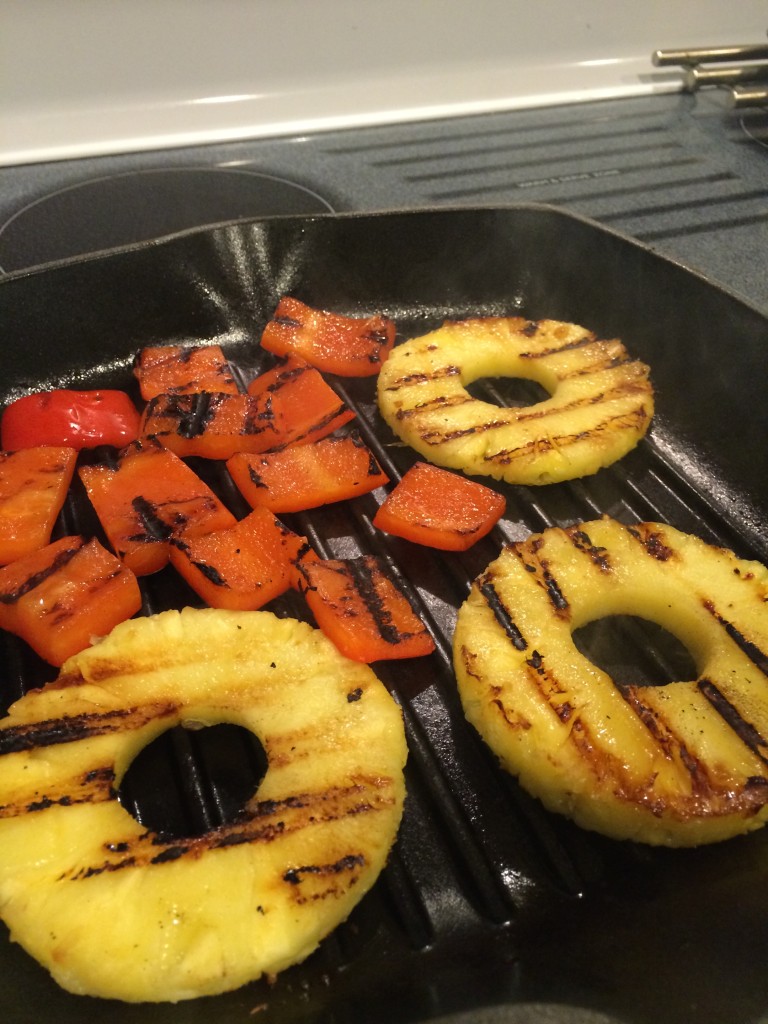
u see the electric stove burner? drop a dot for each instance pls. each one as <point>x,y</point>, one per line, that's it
<point>122,209</point>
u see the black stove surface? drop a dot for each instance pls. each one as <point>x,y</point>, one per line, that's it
<point>138,205</point>
<point>682,173</point>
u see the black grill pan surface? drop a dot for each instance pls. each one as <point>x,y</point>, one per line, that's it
<point>490,909</point>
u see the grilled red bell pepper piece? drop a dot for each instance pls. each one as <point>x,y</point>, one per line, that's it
<point>33,487</point>
<point>72,419</point>
<point>306,476</point>
<point>360,608</point>
<point>181,370</point>
<point>208,424</point>
<point>296,404</point>
<point>241,567</point>
<point>439,509</point>
<point>147,499</point>
<point>64,596</point>
<point>342,345</point>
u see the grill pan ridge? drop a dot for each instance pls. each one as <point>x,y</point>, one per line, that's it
<point>490,908</point>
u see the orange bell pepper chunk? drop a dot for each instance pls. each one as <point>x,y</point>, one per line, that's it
<point>300,555</point>
<point>61,598</point>
<point>33,488</point>
<point>439,509</point>
<point>181,370</point>
<point>342,345</point>
<point>241,567</point>
<point>147,499</point>
<point>297,404</point>
<point>308,475</point>
<point>362,611</point>
<point>207,424</point>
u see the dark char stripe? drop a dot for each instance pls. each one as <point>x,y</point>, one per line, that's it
<point>583,342</point>
<point>746,732</point>
<point>352,860</point>
<point>29,584</point>
<point>154,529</point>
<point>501,614</point>
<point>365,572</point>
<point>629,418</point>
<point>75,727</point>
<point>264,823</point>
<point>752,651</point>
<point>583,543</point>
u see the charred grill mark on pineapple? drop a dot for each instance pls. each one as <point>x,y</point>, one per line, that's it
<point>440,402</point>
<point>550,687</point>
<point>758,657</point>
<point>442,436</point>
<point>532,330</point>
<point>746,731</point>
<point>513,718</point>
<point>632,420</point>
<point>94,786</point>
<point>537,413</point>
<point>313,882</point>
<point>671,744</point>
<point>424,377</point>
<point>77,727</point>
<point>528,554</point>
<point>261,822</point>
<point>707,794</point>
<point>598,555</point>
<point>348,863</point>
<point>652,542</point>
<point>717,797</point>
<point>501,613</point>
<point>705,791</point>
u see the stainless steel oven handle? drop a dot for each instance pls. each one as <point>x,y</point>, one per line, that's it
<point>748,96</point>
<point>694,78</point>
<point>710,55</point>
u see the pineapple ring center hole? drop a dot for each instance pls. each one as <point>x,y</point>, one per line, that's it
<point>507,392</point>
<point>635,651</point>
<point>189,781</point>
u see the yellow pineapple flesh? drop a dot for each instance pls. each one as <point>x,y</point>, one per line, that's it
<point>600,404</point>
<point>678,764</point>
<point>115,910</point>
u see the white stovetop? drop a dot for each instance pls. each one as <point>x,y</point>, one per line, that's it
<point>87,77</point>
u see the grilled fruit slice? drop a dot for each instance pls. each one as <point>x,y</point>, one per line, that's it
<point>113,909</point>
<point>677,765</point>
<point>600,404</point>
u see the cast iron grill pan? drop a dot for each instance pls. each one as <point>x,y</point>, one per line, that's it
<point>490,908</point>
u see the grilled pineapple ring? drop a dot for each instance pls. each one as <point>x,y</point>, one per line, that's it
<point>600,404</point>
<point>117,911</point>
<point>678,765</point>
